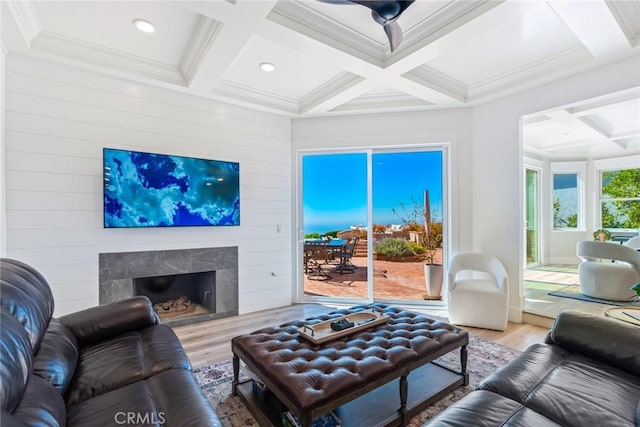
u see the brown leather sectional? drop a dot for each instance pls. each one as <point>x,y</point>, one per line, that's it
<point>587,373</point>
<point>107,365</point>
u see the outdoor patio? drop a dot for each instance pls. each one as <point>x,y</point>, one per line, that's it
<point>392,280</point>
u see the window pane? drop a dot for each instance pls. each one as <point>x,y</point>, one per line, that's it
<point>621,184</point>
<point>621,214</point>
<point>565,200</point>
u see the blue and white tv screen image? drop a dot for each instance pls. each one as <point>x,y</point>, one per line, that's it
<point>158,190</point>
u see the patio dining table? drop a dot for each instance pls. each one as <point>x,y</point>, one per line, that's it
<point>328,247</point>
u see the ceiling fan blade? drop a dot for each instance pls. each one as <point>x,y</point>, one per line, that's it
<point>386,9</point>
<point>394,34</point>
<point>385,13</point>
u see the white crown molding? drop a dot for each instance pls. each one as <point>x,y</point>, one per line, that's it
<point>446,19</point>
<point>202,39</point>
<point>438,81</point>
<point>383,101</point>
<point>301,18</point>
<point>622,12</point>
<point>233,90</point>
<point>93,54</point>
<point>26,18</point>
<point>328,89</point>
<point>532,74</point>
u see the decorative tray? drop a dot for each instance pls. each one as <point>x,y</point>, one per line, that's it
<point>342,326</point>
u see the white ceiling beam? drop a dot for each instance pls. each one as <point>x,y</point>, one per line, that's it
<point>594,24</point>
<point>239,22</point>
<point>426,93</point>
<point>338,97</point>
<point>582,128</point>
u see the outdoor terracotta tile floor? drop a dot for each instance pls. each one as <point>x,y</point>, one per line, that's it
<point>392,280</point>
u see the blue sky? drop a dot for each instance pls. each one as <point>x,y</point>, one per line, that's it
<point>335,187</point>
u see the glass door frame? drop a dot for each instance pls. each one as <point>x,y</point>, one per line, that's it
<point>538,167</point>
<point>298,238</point>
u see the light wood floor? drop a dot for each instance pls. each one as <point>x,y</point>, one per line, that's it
<point>207,343</point>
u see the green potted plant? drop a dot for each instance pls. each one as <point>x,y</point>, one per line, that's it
<point>636,288</point>
<point>602,235</point>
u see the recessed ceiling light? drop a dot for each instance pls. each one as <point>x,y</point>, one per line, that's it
<point>144,26</point>
<point>267,66</point>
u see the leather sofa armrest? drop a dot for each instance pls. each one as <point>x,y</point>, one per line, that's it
<point>104,321</point>
<point>611,341</point>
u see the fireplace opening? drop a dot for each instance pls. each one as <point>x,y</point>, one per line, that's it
<point>178,296</point>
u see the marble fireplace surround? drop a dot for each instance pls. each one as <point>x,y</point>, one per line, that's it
<point>118,269</point>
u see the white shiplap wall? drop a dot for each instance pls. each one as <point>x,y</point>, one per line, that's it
<point>58,119</point>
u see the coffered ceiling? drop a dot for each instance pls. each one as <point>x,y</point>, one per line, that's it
<point>330,58</point>
<point>608,126</point>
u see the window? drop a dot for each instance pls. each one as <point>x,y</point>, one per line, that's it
<point>566,201</point>
<point>620,198</point>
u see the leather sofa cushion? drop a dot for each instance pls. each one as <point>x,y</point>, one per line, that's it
<point>108,320</point>
<point>545,378</point>
<point>608,340</point>
<point>26,296</point>
<point>15,361</point>
<point>125,359</point>
<point>41,405</point>
<point>168,398</point>
<point>487,409</point>
<point>57,357</point>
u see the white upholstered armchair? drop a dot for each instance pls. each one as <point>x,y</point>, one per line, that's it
<point>608,270</point>
<point>478,291</point>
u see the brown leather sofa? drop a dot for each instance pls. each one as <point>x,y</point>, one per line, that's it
<point>587,373</point>
<point>105,366</point>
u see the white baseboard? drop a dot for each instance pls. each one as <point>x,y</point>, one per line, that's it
<point>515,314</point>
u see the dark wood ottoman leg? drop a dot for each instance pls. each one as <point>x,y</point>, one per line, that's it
<point>236,374</point>
<point>463,364</point>
<point>305,419</point>
<point>404,391</point>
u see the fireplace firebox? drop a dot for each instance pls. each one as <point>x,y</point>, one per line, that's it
<point>179,295</point>
<point>202,280</point>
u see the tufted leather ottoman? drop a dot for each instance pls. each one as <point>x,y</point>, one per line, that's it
<point>312,379</point>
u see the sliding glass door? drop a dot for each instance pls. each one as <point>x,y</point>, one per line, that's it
<point>371,220</point>
<point>407,223</point>
<point>334,189</point>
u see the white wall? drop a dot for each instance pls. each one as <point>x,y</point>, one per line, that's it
<point>408,128</point>
<point>58,119</point>
<point>497,159</point>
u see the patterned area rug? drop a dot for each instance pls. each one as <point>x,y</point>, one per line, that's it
<point>485,357</point>
<point>573,292</point>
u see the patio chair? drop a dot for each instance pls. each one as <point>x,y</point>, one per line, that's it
<point>478,291</point>
<point>607,270</point>
<point>316,255</point>
<point>345,254</point>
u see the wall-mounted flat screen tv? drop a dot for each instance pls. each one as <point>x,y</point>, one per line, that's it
<point>158,190</point>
